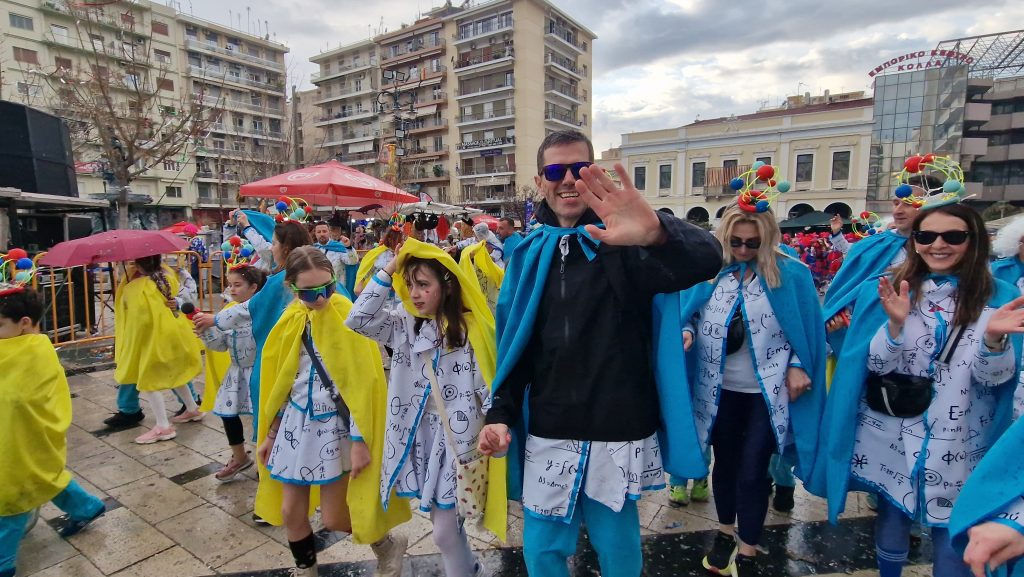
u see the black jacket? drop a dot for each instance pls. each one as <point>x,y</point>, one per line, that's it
<point>589,365</point>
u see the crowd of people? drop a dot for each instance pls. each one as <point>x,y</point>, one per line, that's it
<point>573,366</point>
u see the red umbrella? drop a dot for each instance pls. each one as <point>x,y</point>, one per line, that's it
<point>115,245</point>
<point>329,184</point>
<point>183,227</point>
<point>491,221</point>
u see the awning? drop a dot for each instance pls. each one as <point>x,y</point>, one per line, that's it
<point>51,200</point>
<point>816,218</point>
<point>421,110</point>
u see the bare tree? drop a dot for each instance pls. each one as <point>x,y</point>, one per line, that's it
<point>125,113</point>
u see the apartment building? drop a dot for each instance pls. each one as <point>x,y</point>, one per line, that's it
<point>302,116</point>
<point>820,144</point>
<point>147,46</point>
<point>348,124</point>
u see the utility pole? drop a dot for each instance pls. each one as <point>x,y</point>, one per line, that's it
<point>397,101</point>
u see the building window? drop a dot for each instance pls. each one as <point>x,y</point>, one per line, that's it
<point>698,171</point>
<point>172,192</point>
<point>841,165</point>
<point>640,177</point>
<point>162,56</point>
<point>664,176</point>
<point>804,167</point>
<point>62,63</point>
<point>764,159</point>
<point>26,89</point>
<point>165,84</point>
<point>160,28</point>
<point>26,56</point>
<point>22,22</point>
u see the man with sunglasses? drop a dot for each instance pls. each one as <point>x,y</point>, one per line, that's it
<point>575,325</point>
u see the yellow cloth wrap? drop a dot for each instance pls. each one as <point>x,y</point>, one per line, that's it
<point>476,261</point>
<point>355,366</point>
<point>365,270</point>
<point>153,349</point>
<point>217,365</point>
<point>481,332</point>
<point>830,369</point>
<point>35,413</point>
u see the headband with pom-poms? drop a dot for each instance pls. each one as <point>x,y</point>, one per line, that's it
<point>753,199</point>
<point>289,208</point>
<point>396,222</point>
<point>16,271</point>
<point>237,252</point>
<point>927,166</point>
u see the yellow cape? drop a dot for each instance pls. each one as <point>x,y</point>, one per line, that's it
<point>480,326</point>
<point>365,270</point>
<point>35,413</point>
<point>354,362</point>
<point>477,258</point>
<point>153,349</point>
<point>217,365</point>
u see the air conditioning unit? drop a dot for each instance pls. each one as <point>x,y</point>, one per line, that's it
<point>493,40</point>
<point>472,45</point>
<point>229,47</point>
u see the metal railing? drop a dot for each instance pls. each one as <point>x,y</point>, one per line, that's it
<point>420,46</point>
<point>342,69</point>
<point>496,113</point>
<point>214,47</point>
<point>483,56</point>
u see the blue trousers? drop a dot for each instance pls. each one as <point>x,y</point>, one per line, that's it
<point>892,544</point>
<point>548,544</point>
<point>73,500</point>
<point>128,398</point>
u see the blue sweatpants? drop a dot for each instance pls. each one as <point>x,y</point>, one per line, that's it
<point>128,398</point>
<point>548,543</point>
<point>892,544</point>
<point>73,500</point>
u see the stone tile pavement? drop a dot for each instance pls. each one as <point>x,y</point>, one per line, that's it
<point>167,516</point>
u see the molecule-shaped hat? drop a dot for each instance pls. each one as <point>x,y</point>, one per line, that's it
<point>929,166</point>
<point>289,208</point>
<point>16,271</point>
<point>751,198</point>
<point>237,252</point>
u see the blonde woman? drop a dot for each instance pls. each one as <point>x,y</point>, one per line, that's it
<point>755,347</point>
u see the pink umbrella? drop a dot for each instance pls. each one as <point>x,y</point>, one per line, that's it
<point>490,221</point>
<point>114,245</point>
<point>329,184</point>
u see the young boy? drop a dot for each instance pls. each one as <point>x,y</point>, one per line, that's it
<point>35,413</point>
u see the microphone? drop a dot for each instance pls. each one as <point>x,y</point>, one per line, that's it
<point>189,309</point>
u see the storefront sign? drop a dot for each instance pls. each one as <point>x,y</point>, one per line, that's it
<point>922,60</point>
<point>491,152</point>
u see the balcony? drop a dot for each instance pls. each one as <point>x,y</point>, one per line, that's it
<point>418,76</point>
<point>345,117</point>
<point>424,175</point>
<point>196,44</point>
<point>224,75</point>
<point>116,20</point>
<point>327,96</point>
<point>487,116</point>
<point>567,91</point>
<point>485,58</point>
<point>564,65</point>
<point>482,89</point>
<point>484,30</point>
<point>977,113</point>
<point>358,157</point>
<point>218,176</point>
<point>418,48</point>
<point>426,151</point>
<point>340,70</point>
<point>565,118</point>
<point>566,37</point>
<point>495,170</point>
<point>132,53</point>
<point>499,142</point>
<point>425,125</point>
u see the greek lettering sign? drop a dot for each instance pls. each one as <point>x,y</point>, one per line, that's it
<point>921,60</point>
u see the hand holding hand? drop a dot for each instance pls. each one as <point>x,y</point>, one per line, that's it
<point>494,440</point>
<point>687,340</point>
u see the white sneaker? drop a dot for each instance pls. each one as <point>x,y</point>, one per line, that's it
<point>390,552</point>
<point>307,572</point>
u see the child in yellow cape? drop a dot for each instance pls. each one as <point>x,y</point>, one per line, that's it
<point>439,390</point>
<point>308,405</point>
<point>478,262</point>
<point>377,257</point>
<point>35,413</point>
<point>154,346</point>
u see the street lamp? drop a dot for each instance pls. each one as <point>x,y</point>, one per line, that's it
<point>397,100</point>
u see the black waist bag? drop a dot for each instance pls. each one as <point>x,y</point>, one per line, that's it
<point>736,333</point>
<point>905,396</point>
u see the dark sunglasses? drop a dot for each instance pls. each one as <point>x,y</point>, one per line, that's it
<point>753,243</point>
<point>556,172</point>
<point>952,237</point>
<point>310,295</point>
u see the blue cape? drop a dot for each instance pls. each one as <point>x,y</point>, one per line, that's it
<point>518,302</point>
<point>995,483</point>
<point>1008,270</point>
<point>867,259</point>
<point>840,421</point>
<point>797,309</point>
<point>509,245</point>
<point>332,246</point>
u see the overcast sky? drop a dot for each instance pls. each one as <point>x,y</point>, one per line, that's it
<point>661,63</point>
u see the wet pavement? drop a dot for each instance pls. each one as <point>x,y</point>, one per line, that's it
<point>169,517</point>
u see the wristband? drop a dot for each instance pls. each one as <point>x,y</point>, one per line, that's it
<point>272,436</point>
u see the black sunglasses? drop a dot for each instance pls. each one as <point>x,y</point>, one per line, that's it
<point>556,172</point>
<point>753,243</point>
<point>952,237</point>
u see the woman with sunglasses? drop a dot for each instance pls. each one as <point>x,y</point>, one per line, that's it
<point>924,386</point>
<point>755,355</point>
<point>1009,247</point>
<point>321,381</point>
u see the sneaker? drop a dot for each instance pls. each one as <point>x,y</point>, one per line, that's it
<point>312,571</point>
<point>390,551</point>
<point>69,526</point>
<point>156,434</point>
<point>677,496</point>
<point>188,416</point>
<point>259,520</point>
<point>744,566</point>
<point>180,410</point>
<point>783,500</point>
<point>231,470</point>
<point>119,420</point>
<point>720,560</point>
<point>700,492</point>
